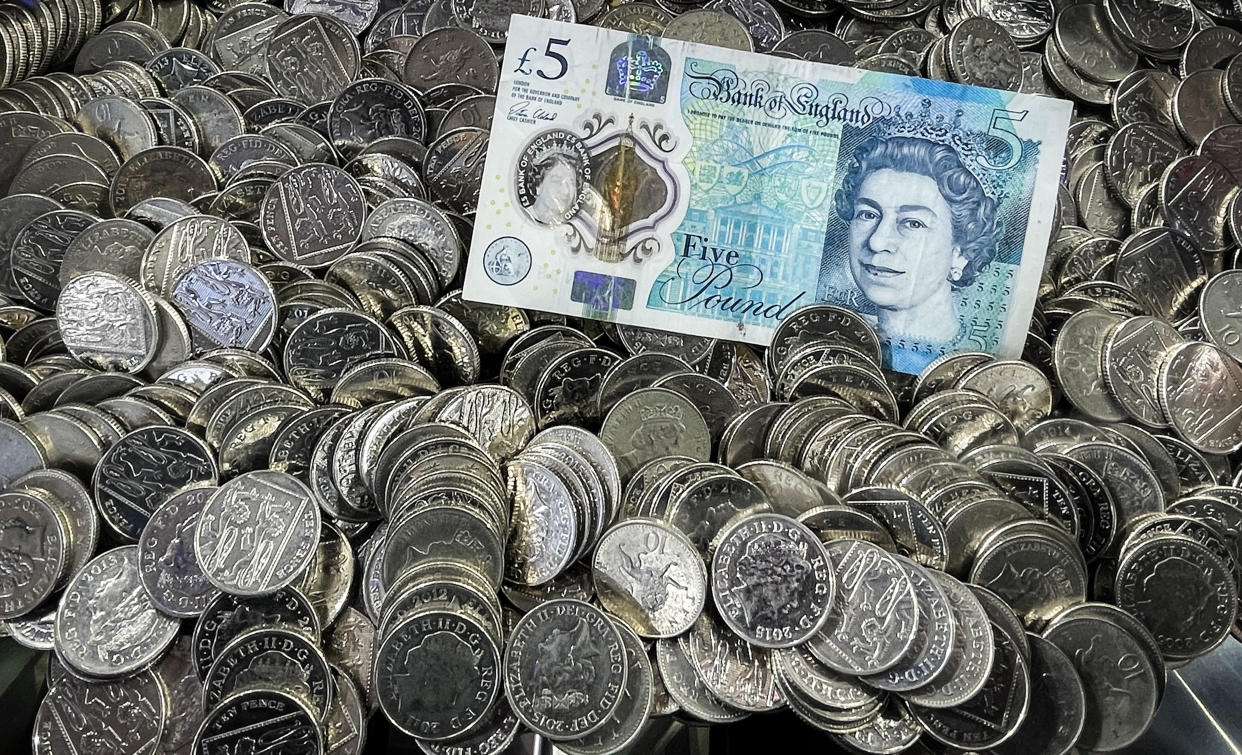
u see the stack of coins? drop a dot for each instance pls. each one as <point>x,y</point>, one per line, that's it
<point>265,472</point>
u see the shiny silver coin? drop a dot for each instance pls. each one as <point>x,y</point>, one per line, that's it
<point>248,715</point>
<point>107,322</point>
<point>227,304</point>
<point>107,625</point>
<point>872,590</point>
<point>650,576</point>
<point>631,715</point>
<point>39,551</point>
<point>736,672</point>
<point>257,533</point>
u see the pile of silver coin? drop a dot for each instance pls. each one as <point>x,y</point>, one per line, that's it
<point>264,473</point>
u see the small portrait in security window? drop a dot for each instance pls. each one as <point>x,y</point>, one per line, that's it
<point>919,228</point>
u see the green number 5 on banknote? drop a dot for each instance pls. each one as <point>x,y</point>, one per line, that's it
<point>685,187</point>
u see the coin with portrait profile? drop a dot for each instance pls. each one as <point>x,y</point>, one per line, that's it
<point>274,658</point>
<point>38,551</point>
<point>437,673</point>
<point>654,422</point>
<point>772,580</point>
<point>168,565</point>
<point>106,625</point>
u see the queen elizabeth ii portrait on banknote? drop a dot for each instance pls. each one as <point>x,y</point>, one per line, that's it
<point>919,228</point>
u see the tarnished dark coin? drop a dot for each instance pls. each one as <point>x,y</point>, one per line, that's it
<point>168,565</point>
<point>1158,568</point>
<point>37,251</point>
<point>563,633</point>
<point>273,658</point>
<point>312,214</point>
<point>139,471</point>
<point>369,109</point>
<point>437,674</point>
<point>1112,664</point>
<point>161,171</point>
<point>1057,711</point>
<point>327,344</point>
<point>472,60</point>
<point>772,580</point>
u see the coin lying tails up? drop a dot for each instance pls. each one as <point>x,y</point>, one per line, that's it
<point>268,472</point>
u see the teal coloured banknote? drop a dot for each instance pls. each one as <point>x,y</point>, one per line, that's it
<point>707,191</point>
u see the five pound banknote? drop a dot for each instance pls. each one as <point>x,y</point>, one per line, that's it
<point>690,188</point>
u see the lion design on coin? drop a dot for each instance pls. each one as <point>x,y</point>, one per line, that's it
<point>567,670</point>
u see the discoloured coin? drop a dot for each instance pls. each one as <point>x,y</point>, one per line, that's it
<point>135,476</point>
<point>565,669</point>
<point>772,580</point>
